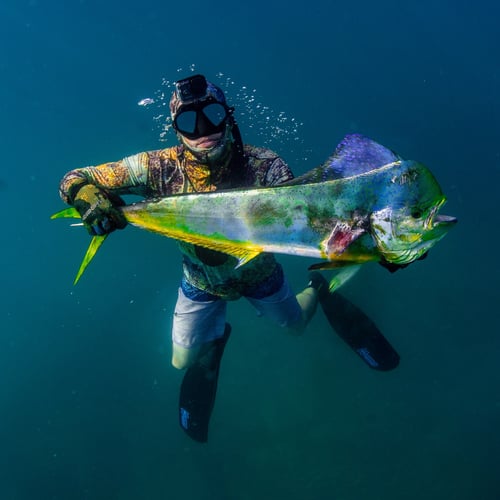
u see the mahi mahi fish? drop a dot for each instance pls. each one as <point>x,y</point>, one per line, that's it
<point>364,204</point>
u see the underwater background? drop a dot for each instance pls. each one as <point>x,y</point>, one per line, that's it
<point>88,399</point>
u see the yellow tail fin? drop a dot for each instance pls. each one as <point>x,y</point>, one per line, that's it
<point>95,243</point>
<point>67,213</point>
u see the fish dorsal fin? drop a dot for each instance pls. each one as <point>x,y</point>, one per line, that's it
<point>355,155</point>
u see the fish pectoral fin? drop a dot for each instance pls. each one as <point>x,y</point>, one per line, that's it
<point>342,277</point>
<point>67,213</point>
<point>342,235</point>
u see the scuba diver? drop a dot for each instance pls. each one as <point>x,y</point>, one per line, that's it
<point>210,156</point>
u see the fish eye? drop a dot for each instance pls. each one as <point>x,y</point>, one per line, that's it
<point>417,214</point>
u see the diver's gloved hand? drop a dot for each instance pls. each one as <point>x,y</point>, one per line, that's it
<point>98,210</point>
<point>392,268</point>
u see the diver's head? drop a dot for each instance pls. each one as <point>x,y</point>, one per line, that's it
<point>202,119</point>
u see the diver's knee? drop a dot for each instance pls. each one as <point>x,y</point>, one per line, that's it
<point>308,302</point>
<point>179,363</point>
<point>183,358</point>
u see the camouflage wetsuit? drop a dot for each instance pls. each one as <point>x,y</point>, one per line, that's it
<point>175,170</point>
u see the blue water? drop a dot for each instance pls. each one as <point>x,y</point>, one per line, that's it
<point>88,400</point>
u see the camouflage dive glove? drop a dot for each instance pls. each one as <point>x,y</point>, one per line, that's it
<point>98,210</point>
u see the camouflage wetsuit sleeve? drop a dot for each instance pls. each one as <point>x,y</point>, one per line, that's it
<point>159,173</point>
<point>148,174</point>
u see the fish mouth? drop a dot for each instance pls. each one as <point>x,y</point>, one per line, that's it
<point>441,223</point>
<point>438,222</point>
<point>438,226</point>
<point>444,219</point>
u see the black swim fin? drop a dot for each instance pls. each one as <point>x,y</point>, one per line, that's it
<point>355,328</point>
<point>199,388</point>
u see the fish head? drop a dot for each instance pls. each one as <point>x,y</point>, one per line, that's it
<point>409,224</point>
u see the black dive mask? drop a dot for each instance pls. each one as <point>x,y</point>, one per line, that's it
<point>201,118</point>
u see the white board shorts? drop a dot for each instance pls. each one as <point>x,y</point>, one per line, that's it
<point>196,323</point>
